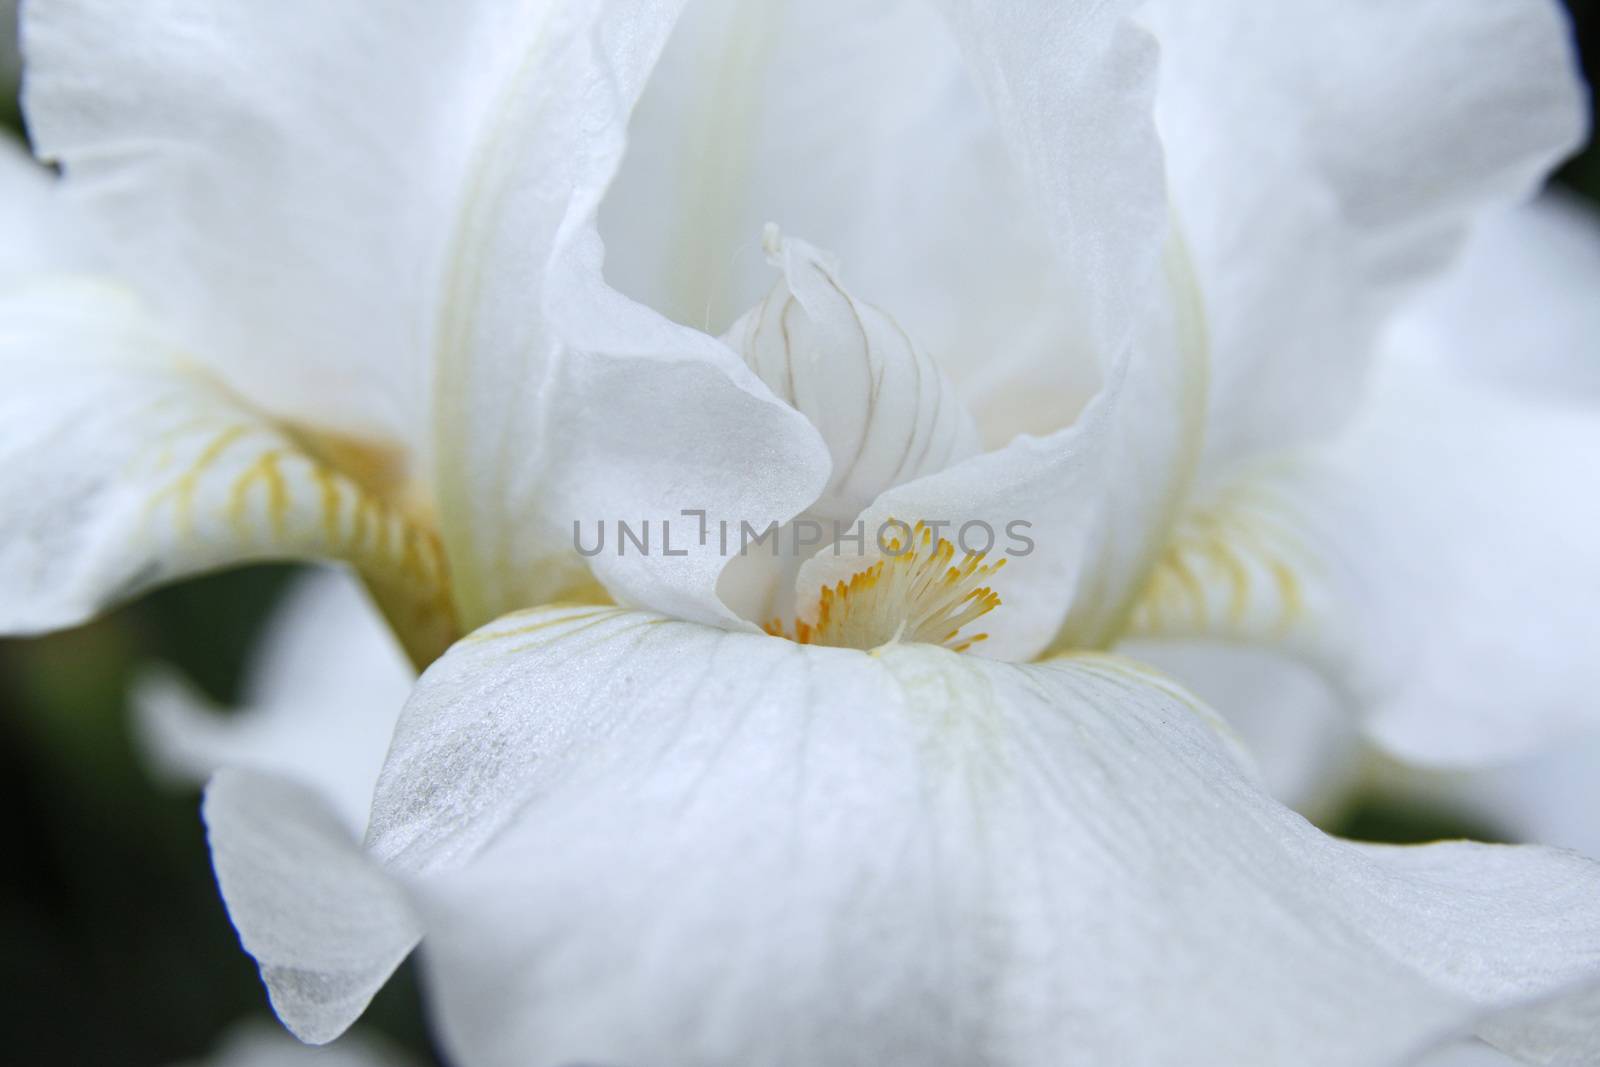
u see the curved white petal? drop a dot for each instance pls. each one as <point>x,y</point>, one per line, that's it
<point>1548,797</point>
<point>630,836</point>
<point>1071,88</point>
<point>323,691</point>
<point>325,924</point>
<point>1095,501</point>
<point>279,179</point>
<point>1436,560</point>
<point>1326,157</point>
<point>252,1045</point>
<point>384,228</point>
<point>123,466</point>
<point>1432,563</point>
<point>1004,224</point>
<point>1296,727</point>
<point>1543,262</point>
<point>1485,565</point>
<point>561,401</point>
<point>1275,554</point>
<point>40,235</point>
<point>24,193</point>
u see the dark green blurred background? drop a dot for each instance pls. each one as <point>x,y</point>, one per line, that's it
<point>116,949</point>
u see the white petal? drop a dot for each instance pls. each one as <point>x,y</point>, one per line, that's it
<point>254,1045</point>
<point>280,179</point>
<point>325,643</point>
<point>562,401</point>
<point>39,236</point>
<point>124,466</point>
<point>384,228</point>
<point>1551,798</point>
<point>860,127</point>
<point>1297,728</point>
<point>324,689</point>
<point>1071,87</point>
<point>1096,500</point>
<point>1265,556</point>
<point>24,193</point>
<point>1325,157</point>
<point>1473,1054</point>
<point>1543,260</point>
<point>634,839</point>
<point>1438,560</point>
<point>326,926</point>
<point>1433,564</point>
<point>1488,522</point>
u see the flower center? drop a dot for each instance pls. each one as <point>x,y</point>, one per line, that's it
<point>915,594</point>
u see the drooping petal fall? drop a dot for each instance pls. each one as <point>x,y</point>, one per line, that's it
<point>124,465</point>
<point>634,824</point>
<point>325,925</point>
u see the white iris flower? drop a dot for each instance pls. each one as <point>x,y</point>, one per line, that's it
<point>417,288</point>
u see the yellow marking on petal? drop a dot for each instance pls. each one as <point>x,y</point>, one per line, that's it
<point>328,490</point>
<point>916,594</point>
<point>228,466</point>
<point>1234,567</point>
<point>265,470</point>
<point>595,615</point>
<point>379,468</point>
<point>365,507</point>
<point>1289,592</point>
<point>182,491</point>
<point>382,525</point>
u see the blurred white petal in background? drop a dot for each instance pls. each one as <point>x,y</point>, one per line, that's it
<point>261,1045</point>
<point>320,701</point>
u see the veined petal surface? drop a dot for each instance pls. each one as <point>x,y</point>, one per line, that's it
<point>630,837</point>
<point>384,230</point>
<point>325,924</point>
<point>124,465</point>
<point>561,400</point>
<point>993,182</point>
<point>279,179</point>
<point>1296,725</point>
<point>1095,501</point>
<point>886,412</point>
